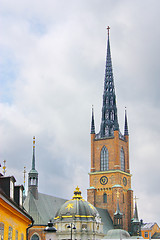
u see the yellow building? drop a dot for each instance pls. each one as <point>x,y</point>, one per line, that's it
<point>14,220</point>
<point>150,230</point>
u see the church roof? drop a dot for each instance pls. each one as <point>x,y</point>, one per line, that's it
<point>77,208</point>
<point>106,219</point>
<point>148,226</point>
<point>44,208</point>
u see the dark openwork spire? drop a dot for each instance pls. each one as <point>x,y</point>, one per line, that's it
<point>109,122</point>
<point>126,124</point>
<point>92,123</point>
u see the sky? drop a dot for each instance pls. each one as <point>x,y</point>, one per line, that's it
<point>52,66</point>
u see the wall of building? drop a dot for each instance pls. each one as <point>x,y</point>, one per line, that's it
<point>13,220</point>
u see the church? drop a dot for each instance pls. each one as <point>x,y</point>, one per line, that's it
<point>108,211</point>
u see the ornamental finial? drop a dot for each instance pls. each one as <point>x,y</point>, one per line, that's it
<point>135,198</point>
<point>4,167</point>
<point>77,194</point>
<point>108,28</point>
<point>33,141</point>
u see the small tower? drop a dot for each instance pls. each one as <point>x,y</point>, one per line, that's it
<point>33,176</point>
<point>135,223</point>
<point>118,216</point>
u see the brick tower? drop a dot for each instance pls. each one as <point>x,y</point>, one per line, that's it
<point>110,173</point>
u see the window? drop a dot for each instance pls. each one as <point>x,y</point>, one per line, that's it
<point>122,160</point>
<point>106,131</point>
<point>22,236</point>
<point>1,231</point>
<point>146,234</point>
<point>21,197</point>
<point>10,232</point>
<point>35,237</point>
<point>16,235</point>
<point>104,159</point>
<point>11,188</point>
<point>105,198</point>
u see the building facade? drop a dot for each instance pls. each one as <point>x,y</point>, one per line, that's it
<point>110,172</point>
<point>14,220</point>
<point>78,219</point>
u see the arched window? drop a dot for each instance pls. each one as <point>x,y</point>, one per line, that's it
<point>10,233</point>
<point>106,131</point>
<point>35,237</point>
<point>105,198</point>
<point>122,160</point>
<point>104,159</point>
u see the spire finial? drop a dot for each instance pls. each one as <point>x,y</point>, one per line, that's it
<point>33,159</point>
<point>135,198</point>
<point>77,194</point>
<point>24,177</point>
<point>108,28</point>
<point>4,167</point>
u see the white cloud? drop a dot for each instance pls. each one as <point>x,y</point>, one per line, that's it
<point>54,58</point>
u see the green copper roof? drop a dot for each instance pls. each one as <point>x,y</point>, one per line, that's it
<point>44,208</point>
<point>77,208</point>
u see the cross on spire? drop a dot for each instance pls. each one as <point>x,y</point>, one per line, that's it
<point>108,28</point>
<point>135,198</point>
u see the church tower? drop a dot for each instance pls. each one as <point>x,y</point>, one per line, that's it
<point>33,176</point>
<point>110,171</point>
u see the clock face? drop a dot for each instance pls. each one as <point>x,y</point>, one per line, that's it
<point>103,180</point>
<point>124,181</point>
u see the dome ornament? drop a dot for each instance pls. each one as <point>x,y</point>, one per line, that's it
<point>77,194</point>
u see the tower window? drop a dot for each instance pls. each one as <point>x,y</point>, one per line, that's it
<point>104,159</point>
<point>122,160</point>
<point>105,198</point>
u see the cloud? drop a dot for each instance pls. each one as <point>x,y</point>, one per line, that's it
<point>53,65</point>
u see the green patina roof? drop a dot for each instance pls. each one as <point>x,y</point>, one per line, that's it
<point>77,208</point>
<point>117,185</point>
<point>44,208</point>
<point>106,219</point>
